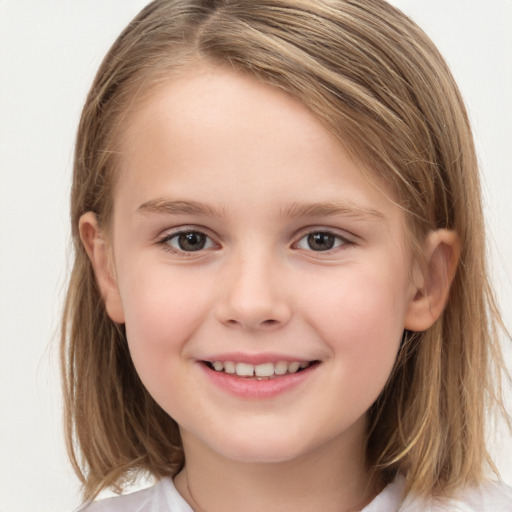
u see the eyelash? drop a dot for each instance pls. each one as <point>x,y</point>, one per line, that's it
<point>164,241</point>
<point>341,242</point>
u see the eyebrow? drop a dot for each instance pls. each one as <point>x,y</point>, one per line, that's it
<point>328,209</point>
<point>168,207</point>
<point>296,209</point>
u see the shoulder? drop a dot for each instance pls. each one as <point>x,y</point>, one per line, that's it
<point>161,497</point>
<point>489,497</point>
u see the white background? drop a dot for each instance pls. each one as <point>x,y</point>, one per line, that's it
<point>49,51</point>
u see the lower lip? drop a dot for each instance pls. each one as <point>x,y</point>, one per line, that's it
<point>253,389</point>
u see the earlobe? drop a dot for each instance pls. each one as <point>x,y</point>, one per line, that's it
<point>433,280</point>
<point>97,249</point>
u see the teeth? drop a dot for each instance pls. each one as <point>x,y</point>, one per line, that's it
<point>218,366</point>
<point>229,367</point>
<point>293,367</point>
<point>264,370</point>
<point>281,368</point>
<point>244,369</point>
<point>259,370</point>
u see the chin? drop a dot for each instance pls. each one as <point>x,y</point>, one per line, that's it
<point>260,450</point>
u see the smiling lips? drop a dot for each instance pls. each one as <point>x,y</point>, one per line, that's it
<point>257,377</point>
<point>262,371</point>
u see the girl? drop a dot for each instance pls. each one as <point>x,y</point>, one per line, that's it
<point>279,298</point>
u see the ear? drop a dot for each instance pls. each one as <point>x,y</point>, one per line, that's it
<point>431,282</point>
<point>97,249</point>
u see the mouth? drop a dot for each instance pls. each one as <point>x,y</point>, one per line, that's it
<point>264,371</point>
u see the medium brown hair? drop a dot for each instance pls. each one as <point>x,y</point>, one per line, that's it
<point>377,83</point>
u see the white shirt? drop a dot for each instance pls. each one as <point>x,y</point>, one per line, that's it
<point>163,497</point>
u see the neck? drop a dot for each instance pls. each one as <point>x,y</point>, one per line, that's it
<point>331,478</point>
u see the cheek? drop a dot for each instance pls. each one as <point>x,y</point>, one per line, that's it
<point>362,321</point>
<point>162,312</point>
<point>362,301</point>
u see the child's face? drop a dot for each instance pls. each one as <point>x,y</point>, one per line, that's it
<point>292,255</point>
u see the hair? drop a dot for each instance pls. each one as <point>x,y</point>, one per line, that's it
<point>377,83</point>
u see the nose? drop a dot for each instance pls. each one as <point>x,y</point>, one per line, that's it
<point>253,294</point>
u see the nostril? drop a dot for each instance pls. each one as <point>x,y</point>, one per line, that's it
<point>265,323</point>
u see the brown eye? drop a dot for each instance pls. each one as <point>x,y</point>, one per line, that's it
<point>189,241</point>
<point>319,241</point>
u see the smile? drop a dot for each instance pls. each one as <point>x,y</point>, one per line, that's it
<point>257,376</point>
<point>262,371</point>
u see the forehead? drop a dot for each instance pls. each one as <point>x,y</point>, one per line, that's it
<point>211,128</point>
<point>208,102</point>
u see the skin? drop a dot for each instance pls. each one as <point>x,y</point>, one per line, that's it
<point>253,161</point>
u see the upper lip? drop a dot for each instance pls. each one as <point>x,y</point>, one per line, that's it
<point>260,358</point>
